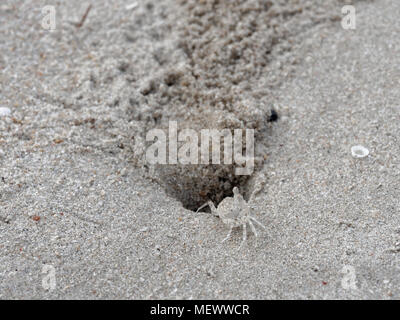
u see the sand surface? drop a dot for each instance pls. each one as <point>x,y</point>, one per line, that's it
<point>78,201</point>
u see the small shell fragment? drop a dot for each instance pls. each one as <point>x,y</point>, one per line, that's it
<point>359,152</point>
<point>131,6</point>
<point>4,111</point>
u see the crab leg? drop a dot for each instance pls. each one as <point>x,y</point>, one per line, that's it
<point>258,222</point>
<point>227,237</point>
<point>244,236</point>
<point>253,228</point>
<point>212,207</point>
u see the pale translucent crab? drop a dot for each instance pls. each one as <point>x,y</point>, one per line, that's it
<point>234,212</point>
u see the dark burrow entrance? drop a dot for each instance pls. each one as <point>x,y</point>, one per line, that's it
<point>194,185</point>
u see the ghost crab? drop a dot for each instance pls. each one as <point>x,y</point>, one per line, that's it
<point>234,212</point>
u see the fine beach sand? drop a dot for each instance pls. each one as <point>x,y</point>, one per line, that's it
<point>77,197</point>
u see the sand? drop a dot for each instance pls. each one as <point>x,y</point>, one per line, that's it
<point>77,200</point>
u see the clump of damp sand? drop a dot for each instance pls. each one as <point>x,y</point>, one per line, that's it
<point>210,64</point>
<point>222,83</point>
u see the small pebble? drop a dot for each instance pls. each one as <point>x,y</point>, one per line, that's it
<point>5,8</point>
<point>273,116</point>
<point>359,152</point>
<point>131,6</point>
<point>4,112</point>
